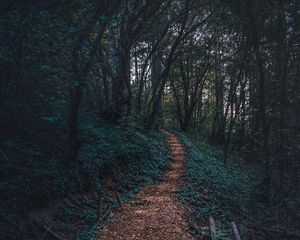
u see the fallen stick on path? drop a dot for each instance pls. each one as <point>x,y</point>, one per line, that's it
<point>101,219</point>
<point>53,234</point>
<point>212,228</point>
<point>4,155</point>
<point>119,200</point>
<point>99,204</point>
<point>235,232</point>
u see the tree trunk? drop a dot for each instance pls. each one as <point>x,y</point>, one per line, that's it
<point>218,133</point>
<point>76,96</point>
<point>261,117</point>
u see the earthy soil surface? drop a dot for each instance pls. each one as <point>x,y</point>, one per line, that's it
<point>154,213</point>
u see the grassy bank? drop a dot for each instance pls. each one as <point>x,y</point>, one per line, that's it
<point>38,188</point>
<point>228,192</point>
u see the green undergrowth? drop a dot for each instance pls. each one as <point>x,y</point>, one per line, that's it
<point>139,159</point>
<point>224,191</point>
<point>33,178</point>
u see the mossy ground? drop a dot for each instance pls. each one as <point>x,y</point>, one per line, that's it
<point>224,191</point>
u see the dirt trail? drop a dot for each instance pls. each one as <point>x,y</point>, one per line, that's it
<point>155,212</point>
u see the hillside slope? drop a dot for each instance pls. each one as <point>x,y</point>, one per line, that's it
<point>40,190</point>
<point>230,193</point>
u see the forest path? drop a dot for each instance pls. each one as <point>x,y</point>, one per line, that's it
<point>155,213</point>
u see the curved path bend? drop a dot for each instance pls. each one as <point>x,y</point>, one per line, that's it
<point>155,213</point>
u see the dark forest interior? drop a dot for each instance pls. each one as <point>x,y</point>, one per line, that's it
<point>96,97</point>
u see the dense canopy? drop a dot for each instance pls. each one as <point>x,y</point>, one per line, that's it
<point>87,83</point>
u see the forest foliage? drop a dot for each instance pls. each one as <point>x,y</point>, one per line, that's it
<point>74,70</point>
